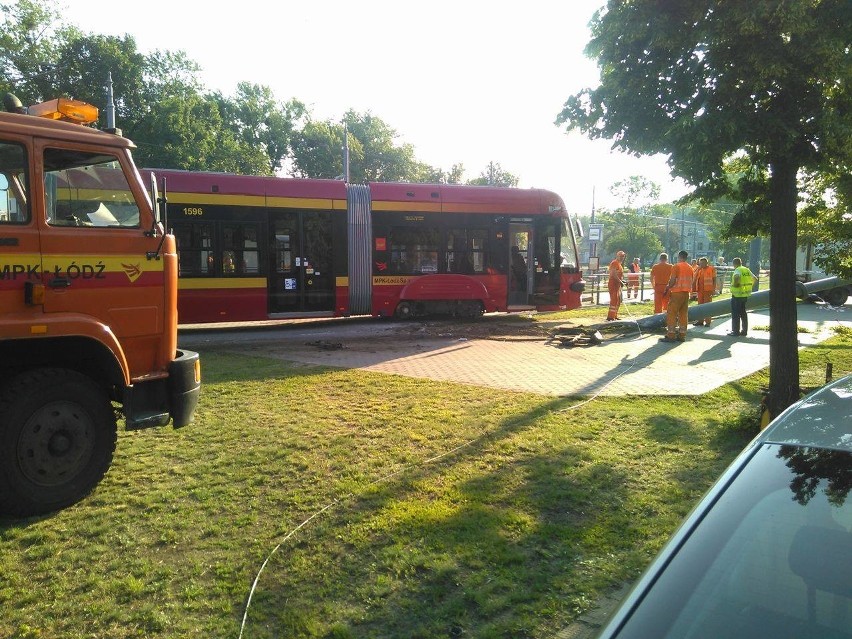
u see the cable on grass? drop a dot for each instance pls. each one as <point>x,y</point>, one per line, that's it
<point>402,470</point>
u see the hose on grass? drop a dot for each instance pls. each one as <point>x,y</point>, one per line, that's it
<point>400,471</point>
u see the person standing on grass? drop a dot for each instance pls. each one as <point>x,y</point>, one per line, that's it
<point>704,285</point>
<point>742,281</point>
<point>616,281</point>
<point>633,279</point>
<point>679,286</point>
<point>661,272</point>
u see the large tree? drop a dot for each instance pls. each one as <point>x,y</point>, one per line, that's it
<point>31,36</point>
<point>261,121</point>
<point>495,175</point>
<point>374,153</point>
<point>703,80</point>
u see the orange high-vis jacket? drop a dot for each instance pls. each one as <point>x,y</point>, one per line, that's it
<point>705,279</point>
<point>661,274</point>
<point>682,272</point>
<point>616,271</point>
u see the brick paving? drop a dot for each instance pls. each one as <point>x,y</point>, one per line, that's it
<point>636,364</point>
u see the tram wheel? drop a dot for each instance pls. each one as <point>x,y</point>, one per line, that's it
<point>470,309</point>
<point>404,311</point>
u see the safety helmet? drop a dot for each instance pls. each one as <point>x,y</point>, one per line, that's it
<point>620,254</point>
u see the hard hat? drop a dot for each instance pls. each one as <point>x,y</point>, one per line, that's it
<point>620,254</point>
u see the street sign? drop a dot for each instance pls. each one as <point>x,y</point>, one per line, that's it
<point>595,232</point>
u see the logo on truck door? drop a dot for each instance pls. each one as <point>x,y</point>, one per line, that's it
<point>132,271</point>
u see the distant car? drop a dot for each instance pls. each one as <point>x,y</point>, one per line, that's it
<point>768,552</point>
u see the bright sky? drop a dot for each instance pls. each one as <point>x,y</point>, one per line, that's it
<point>467,81</point>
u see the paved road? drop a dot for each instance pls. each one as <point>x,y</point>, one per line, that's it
<point>636,364</point>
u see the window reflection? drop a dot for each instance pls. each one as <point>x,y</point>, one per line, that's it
<point>771,560</point>
<point>414,251</point>
<point>87,189</point>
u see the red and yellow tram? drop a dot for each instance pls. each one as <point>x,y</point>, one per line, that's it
<point>256,248</point>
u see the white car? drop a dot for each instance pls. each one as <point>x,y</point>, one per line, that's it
<point>767,553</point>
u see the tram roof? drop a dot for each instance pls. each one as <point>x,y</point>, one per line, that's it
<point>232,184</point>
<point>473,199</point>
<point>446,197</point>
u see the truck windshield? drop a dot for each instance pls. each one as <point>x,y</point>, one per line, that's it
<point>87,189</point>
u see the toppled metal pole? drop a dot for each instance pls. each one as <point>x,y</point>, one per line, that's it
<point>755,300</point>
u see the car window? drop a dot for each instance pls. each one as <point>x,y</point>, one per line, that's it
<point>772,559</point>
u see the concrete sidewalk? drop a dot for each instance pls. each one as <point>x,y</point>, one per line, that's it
<point>633,365</point>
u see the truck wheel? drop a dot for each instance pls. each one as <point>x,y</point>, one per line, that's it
<point>837,296</point>
<point>57,438</point>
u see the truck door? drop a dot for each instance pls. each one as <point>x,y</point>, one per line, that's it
<point>20,261</point>
<point>95,250</point>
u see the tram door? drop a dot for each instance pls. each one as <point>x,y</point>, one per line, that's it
<point>300,276</point>
<point>520,264</point>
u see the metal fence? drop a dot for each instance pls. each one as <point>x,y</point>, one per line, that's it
<point>596,284</point>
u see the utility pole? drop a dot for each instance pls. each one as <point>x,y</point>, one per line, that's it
<point>594,245</point>
<point>345,153</point>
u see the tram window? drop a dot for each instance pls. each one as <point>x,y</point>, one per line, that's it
<point>545,248</point>
<point>240,251</point>
<point>568,258</point>
<point>466,250</point>
<point>413,250</point>
<point>195,248</point>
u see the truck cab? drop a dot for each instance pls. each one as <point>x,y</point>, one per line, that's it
<point>88,307</point>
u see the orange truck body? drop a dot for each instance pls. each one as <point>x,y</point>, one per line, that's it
<point>88,307</point>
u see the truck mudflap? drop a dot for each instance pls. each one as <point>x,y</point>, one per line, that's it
<point>184,387</point>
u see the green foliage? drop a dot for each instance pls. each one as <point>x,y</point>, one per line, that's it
<point>260,121</point>
<point>186,131</point>
<point>825,221</point>
<point>317,150</point>
<point>636,191</point>
<point>374,153</point>
<point>31,38</point>
<point>495,175</point>
<point>703,80</point>
<point>631,232</point>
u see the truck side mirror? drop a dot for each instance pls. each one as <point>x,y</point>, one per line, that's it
<point>155,197</point>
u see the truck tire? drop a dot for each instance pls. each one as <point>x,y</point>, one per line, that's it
<point>57,439</point>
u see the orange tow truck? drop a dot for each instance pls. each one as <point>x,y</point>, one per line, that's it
<point>88,305</point>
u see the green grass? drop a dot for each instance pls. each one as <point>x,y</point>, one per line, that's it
<point>532,509</point>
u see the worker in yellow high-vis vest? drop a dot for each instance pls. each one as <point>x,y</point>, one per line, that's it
<point>742,281</point>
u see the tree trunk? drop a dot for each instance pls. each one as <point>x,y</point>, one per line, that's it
<point>783,336</point>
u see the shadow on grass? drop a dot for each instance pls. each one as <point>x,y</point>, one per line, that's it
<point>499,553</point>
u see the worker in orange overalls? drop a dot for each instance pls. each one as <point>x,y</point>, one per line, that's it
<point>680,286</point>
<point>633,279</point>
<point>616,281</point>
<point>704,285</point>
<point>661,272</point>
